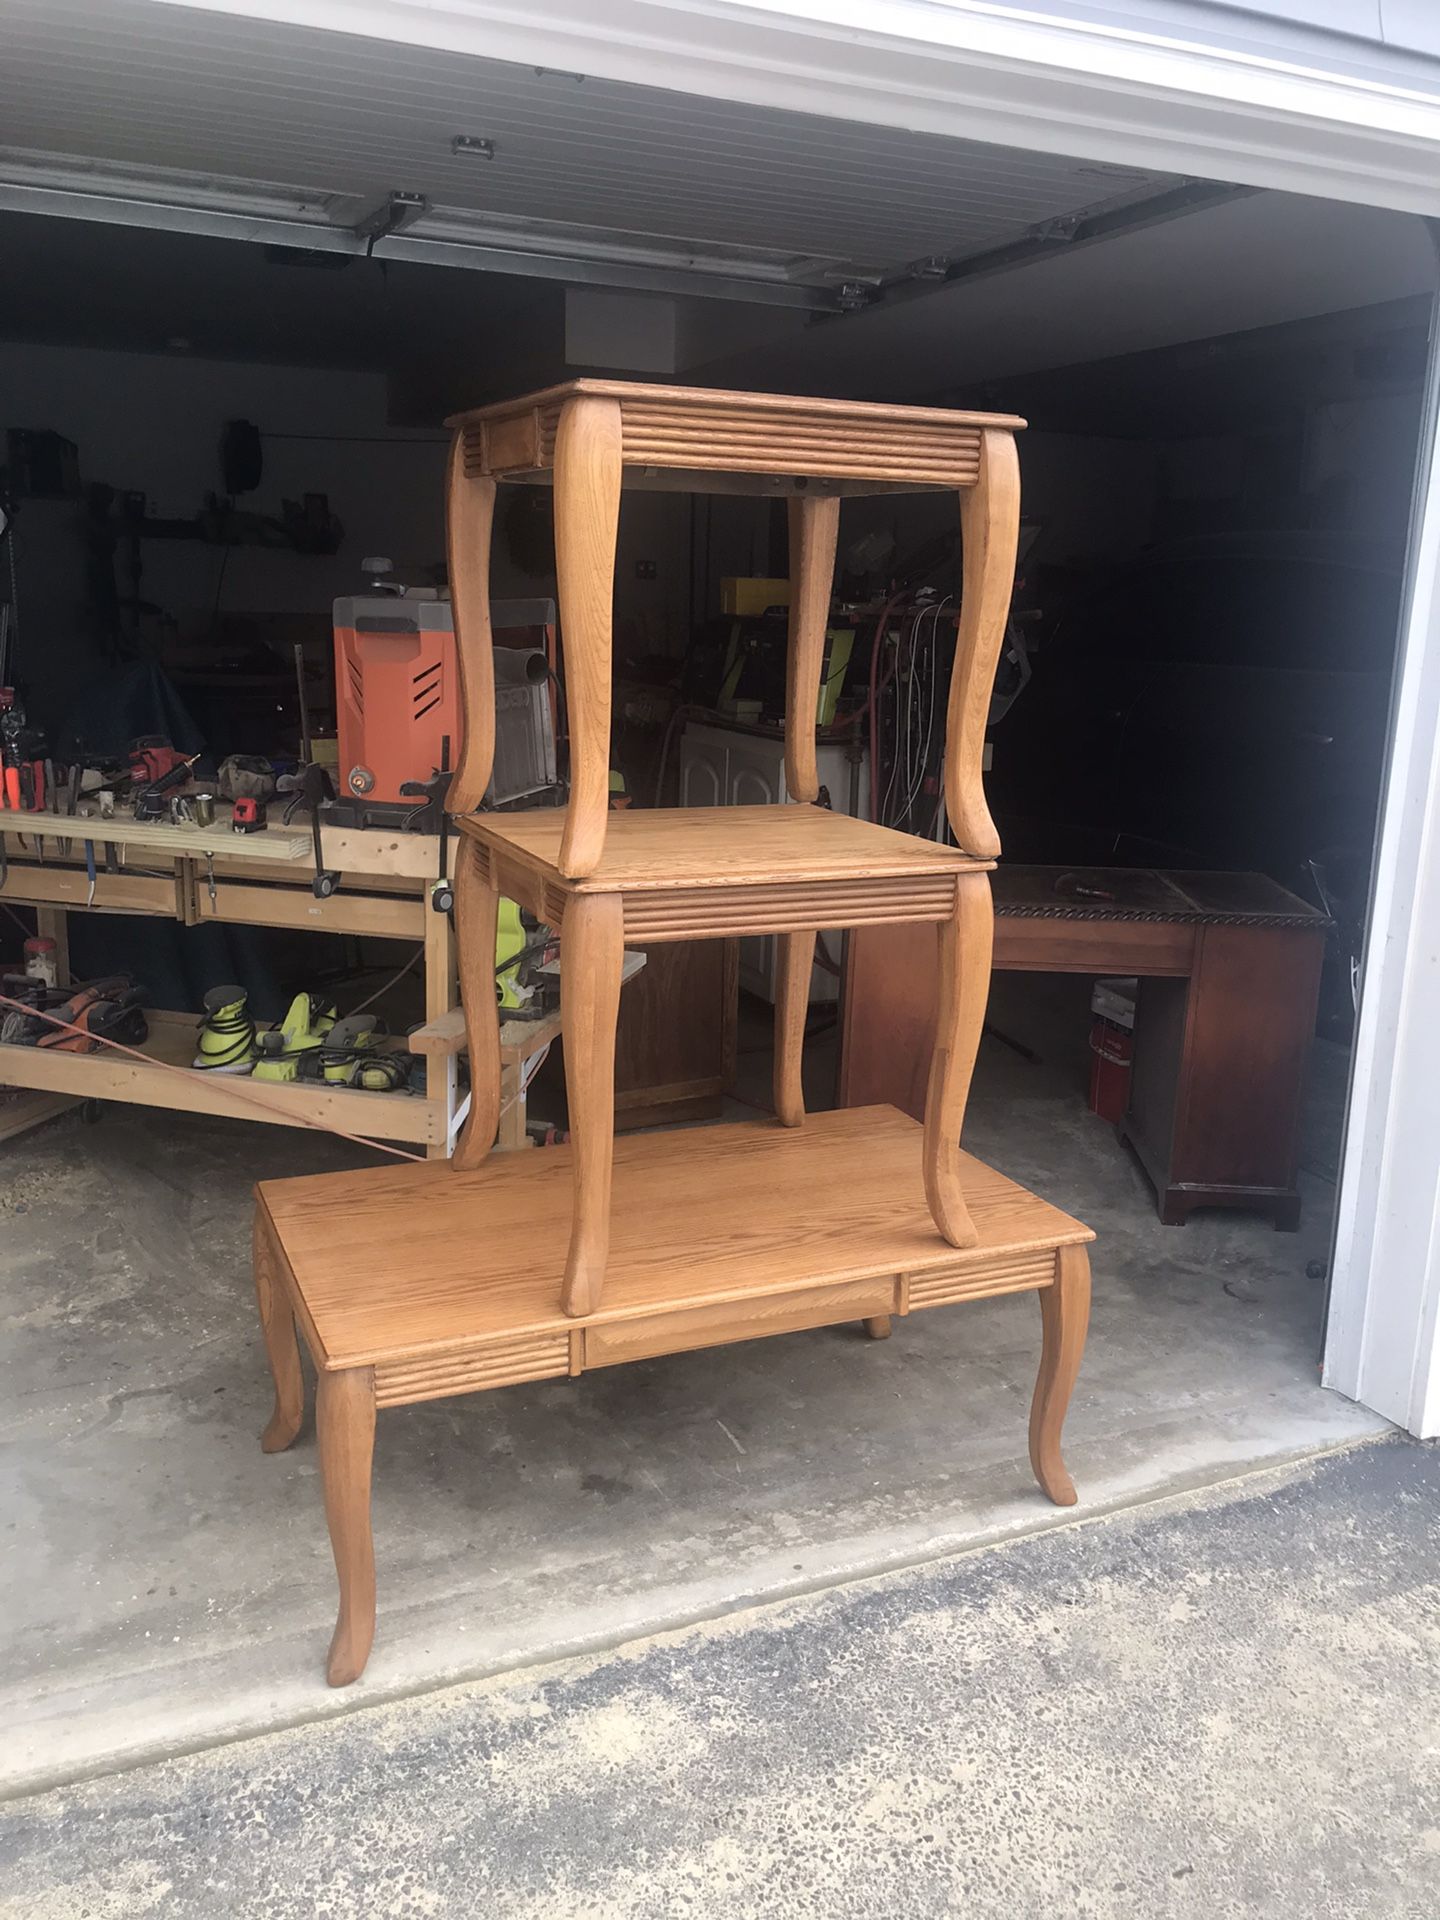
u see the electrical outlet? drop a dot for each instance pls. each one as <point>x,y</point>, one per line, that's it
<point>644,569</point>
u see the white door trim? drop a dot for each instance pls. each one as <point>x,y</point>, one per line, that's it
<point>1383,1337</point>
<point>957,67</point>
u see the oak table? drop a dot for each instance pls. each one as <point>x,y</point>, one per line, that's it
<point>602,877</point>
<point>413,1283</point>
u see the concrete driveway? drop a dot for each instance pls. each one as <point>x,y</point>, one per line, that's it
<point>1227,1703</point>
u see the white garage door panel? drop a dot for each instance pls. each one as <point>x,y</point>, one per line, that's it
<point>1413,24</point>
<point>334,115</point>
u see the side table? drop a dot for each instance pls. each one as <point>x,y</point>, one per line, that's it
<point>702,872</point>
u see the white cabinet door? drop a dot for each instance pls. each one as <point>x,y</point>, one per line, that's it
<point>704,774</point>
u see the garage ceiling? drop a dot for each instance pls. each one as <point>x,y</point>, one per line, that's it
<point>158,115</point>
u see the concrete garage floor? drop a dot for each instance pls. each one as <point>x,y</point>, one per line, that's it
<point>167,1587</point>
<point>1224,1705</point>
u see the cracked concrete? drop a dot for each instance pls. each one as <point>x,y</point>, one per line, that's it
<point>166,1586</point>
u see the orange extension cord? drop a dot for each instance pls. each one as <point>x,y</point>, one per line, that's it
<point>269,1107</point>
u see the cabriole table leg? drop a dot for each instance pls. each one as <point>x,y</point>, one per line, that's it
<point>966,939</point>
<point>592,953</point>
<point>282,1349</point>
<point>794,961</point>
<point>477,908</point>
<point>345,1418</point>
<point>1065,1315</point>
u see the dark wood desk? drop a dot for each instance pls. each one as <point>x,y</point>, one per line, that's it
<point>1229,967</point>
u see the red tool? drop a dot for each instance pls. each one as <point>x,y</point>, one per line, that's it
<point>22,757</point>
<point>151,758</point>
<point>248,816</point>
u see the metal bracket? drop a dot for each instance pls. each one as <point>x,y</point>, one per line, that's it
<point>397,211</point>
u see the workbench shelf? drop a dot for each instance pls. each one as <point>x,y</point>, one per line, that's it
<point>262,879</point>
<point>165,1078</point>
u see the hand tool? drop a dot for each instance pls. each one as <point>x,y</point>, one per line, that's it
<point>12,719</point>
<point>311,788</point>
<point>90,872</point>
<point>305,744</point>
<point>248,816</point>
<point>72,796</point>
<point>432,812</point>
<point>152,758</point>
<point>150,801</point>
<point>106,1009</point>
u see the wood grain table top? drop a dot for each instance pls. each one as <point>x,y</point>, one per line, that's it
<point>677,847</point>
<point>720,401</point>
<point>1200,897</point>
<point>395,1262</point>
<point>714,439</point>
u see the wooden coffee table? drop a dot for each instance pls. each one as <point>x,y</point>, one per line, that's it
<point>414,1283</point>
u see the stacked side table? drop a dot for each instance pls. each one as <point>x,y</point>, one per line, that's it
<point>681,874</point>
<point>417,1282</point>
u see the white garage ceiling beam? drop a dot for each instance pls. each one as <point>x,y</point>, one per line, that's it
<point>437,238</point>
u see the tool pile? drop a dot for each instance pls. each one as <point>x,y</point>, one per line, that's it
<point>310,1043</point>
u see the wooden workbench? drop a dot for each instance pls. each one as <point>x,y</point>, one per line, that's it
<point>260,880</point>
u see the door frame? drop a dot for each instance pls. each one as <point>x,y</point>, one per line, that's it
<point>1158,102</point>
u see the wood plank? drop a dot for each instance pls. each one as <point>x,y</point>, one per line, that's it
<point>21,1109</point>
<point>399,1261</point>
<point>1040,945</point>
<point>238,905</point>
<point>166,1079</point>
<point>54,924</point>
<point>121,831</point>
<point>68,886</point>
<point>379,852</point>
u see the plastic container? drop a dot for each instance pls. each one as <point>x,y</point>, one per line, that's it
<point>1112,1047</point>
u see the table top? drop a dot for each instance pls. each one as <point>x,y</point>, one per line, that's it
<point>679,847</point>
<point>397,1261</point>
<point>1149,894</point>
<point>721,400</point>
<point>710,439</point>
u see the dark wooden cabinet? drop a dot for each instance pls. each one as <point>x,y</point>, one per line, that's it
<point>675,1041</point>
<point>1229,968</point>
